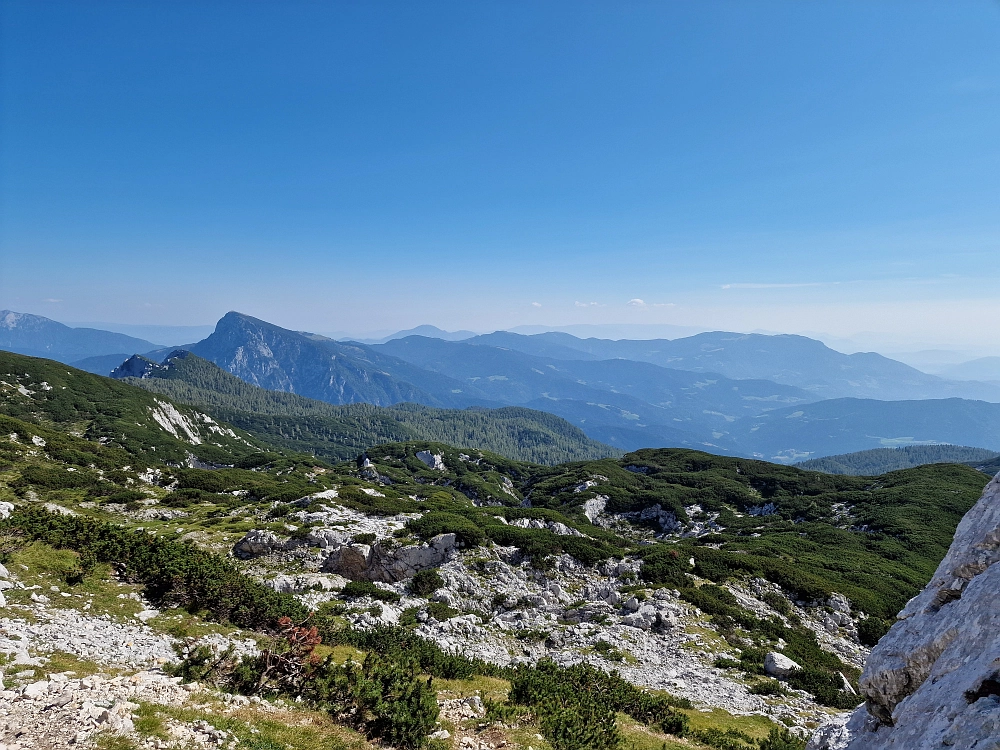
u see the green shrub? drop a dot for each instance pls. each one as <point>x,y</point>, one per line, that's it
<point>126,496</point>
<point>545,682</point>
<point>441,611</point>
<point>369,589</point>
<point>608,651</point>
<point>51,478</point>
<point>255,460</point>
<point>871,630</point>
<point>175,574</point>
<point>781,739</point>
<point>768,687</point>
<point>584,723</point>
<point>729,739</point>
<point>384,697</point>
<point>425,582</point>
<point>435,522</point>
<point>777,602</point>
<point>396,641</point>
<point>366,538</point>
<point>825,686</point>
<point>721,662</point>
<point>182,498</point>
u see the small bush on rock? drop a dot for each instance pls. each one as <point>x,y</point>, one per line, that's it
<point>367,588</point>
<point>425,582</point>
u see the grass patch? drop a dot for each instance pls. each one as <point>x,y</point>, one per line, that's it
<point>106,741</point>
<point>60,661</point>
<point>755,726</point>
<point>273,730</point>
<point>487,688</point>
<point>47,567</point>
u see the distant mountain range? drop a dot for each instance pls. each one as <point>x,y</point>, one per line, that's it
<point>317,367</point>
<point>984,368</point>
<point>782,398</point>
<point>37,336</point>
<point>333,432</point>
<point>790,360</point>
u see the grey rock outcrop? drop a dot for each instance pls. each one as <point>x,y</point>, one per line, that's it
<point>388,564</point>
<point>257,542</point>
<point>779,665</point>
<point>433,460</point>
<point>934,680</point>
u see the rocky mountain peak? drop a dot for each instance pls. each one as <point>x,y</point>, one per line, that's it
<point>135,366</point>
<point>934,679</point>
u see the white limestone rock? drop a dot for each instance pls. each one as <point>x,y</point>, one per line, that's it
<point>934,679</point>
<point>643,618</point>
<point>779,665</point>
<point>432,460</point>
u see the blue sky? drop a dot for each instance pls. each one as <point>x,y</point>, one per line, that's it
<point>357,166</point>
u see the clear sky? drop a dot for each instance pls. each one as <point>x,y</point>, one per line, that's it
<point>367,165</point>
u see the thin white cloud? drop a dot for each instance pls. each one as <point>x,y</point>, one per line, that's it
<point>52,300</point>
<point>536,304</point>
<point>588,304</point>
<point>642,304</point>
<point>779,286</point>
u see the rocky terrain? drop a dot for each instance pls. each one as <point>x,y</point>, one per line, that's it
<point>934,680</point>
<point>500,608</point>
<point>740,594</point>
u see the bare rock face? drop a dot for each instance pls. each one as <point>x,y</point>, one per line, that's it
<point>934,680</point>
<point>388,564</point>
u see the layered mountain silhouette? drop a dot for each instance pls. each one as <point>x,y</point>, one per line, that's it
<point>37,336</point>
<point>782,398</point>
<point>317,367</point>
<point>788,359</point>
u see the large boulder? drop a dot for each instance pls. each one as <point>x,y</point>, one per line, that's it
<point>257,542</point>
<point>779,665</point>
<point>934,679</point>
<point>388,563</point>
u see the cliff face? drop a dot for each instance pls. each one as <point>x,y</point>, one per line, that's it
<point>934,680</point>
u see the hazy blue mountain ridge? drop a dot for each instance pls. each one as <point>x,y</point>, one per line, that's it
<point>621,402</point>
<point>982,369</point>
<point>848,425</point>
<point>654,395</point>
<point>788,359</point>
<point>37,336</point>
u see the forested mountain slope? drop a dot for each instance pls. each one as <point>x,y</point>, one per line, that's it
<point>881,460</point>
<point>341,432</point>
<point>108,413</point>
